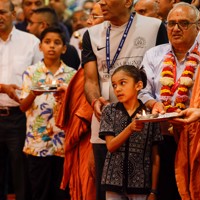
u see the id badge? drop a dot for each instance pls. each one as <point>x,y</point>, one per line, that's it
<point>105,90</point>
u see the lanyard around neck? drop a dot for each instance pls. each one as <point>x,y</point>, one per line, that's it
<point>109,65</point>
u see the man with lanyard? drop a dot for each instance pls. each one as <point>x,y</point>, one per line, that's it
<point>122,38</point>
<point>171,70</point>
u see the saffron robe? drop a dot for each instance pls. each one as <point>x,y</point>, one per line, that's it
<point>187,162</point>
<point>74,116</point>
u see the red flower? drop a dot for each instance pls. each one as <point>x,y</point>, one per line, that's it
<point>182,94</point>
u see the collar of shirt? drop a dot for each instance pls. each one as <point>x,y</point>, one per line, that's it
<point>60,70</point>
<point>197,40</point>
<point>9,36</point>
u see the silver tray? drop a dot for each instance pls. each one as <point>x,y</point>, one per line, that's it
<point>157,117</point>
<point>45,88</point>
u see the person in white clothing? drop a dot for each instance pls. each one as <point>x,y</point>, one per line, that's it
<point>9,89</point>
<point>171,70</point>
<point>121,39</point>
<point>18,50</point>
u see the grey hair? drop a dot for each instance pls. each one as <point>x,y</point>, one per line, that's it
<point>184,4</point>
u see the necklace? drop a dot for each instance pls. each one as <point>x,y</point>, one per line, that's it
<point>182,85</point>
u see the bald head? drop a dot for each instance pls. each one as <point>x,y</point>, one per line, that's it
<point>182,26</point>
<point>147,8</point>
<point>193,11</point>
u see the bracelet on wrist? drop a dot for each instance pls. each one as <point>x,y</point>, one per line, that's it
<point>93,102</point>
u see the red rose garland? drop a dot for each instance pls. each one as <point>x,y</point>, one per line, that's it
<point>169,86</point>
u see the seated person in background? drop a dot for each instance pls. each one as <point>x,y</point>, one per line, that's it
<point>41,19</point>
<point>88,5</point>
<point>147,8</point>
<point>28,7</point>
<point>166,5</point>
<point>79,20</point>
<point>44,141</point>
<point>96,15</point>
<point>60,8</point>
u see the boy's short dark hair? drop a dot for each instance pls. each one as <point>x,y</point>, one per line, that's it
<point>54,29</point>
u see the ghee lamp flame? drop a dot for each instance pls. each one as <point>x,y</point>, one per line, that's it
<point>144,113</point>
<point>54,82</point>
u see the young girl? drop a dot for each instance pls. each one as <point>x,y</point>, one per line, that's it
<point>44,141</point>
<point>132,163</point>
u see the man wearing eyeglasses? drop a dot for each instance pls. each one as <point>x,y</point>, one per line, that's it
<point>18,50</point>
<point>171,71</point>
<point>96,16</point>
<point>41,19</point>
<point>121,39</point>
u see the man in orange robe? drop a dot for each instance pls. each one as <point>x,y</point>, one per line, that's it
<point>74,116</point>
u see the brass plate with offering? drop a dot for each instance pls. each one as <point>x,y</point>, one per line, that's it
<point>157,117</point>
<point>45,88</point>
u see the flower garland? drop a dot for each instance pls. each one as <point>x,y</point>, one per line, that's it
<point>184,83</point>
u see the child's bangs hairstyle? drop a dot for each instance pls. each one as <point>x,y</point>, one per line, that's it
<point>138,74</point>
<point>54,29</point>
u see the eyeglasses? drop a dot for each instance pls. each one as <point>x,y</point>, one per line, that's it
<point>93,17</point>
<point>182,24</point>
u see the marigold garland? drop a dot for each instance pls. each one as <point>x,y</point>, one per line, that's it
<point>184,84</point>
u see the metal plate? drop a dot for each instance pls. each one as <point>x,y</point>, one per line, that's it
<point>45,88</point>
<point>158,118</point>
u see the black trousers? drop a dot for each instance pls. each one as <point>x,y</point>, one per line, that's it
<point>167,188</point>
<point>45,175</point>
<point>100,151</point>
<point>12,137</point>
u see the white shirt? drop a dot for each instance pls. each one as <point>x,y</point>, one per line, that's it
<point>19,51</point>
<point>134,48</point>
<point>152,63</point>
<point>43,138</point>
<point>75,41</point>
